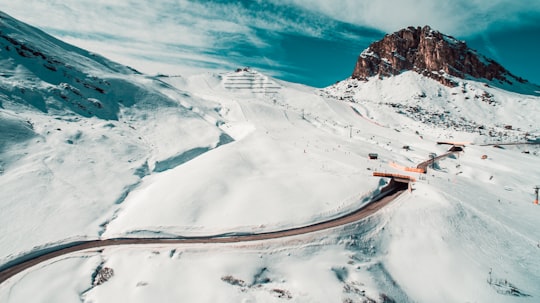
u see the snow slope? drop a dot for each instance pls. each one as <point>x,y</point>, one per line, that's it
<point>283,169</point>
<point>466,233</point>
<point>471,107</point>
<point>295,155</point>
<point>78,132</point>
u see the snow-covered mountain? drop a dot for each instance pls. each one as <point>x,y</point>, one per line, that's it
<point>435,55</point>
<point>478,112</point>
<point>78,132</point>
<point>152,161</point>
<point>477,95</point>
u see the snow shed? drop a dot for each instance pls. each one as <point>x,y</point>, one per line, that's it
<point>456,148</point>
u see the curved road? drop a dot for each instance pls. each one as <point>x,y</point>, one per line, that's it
<point>387,194</point>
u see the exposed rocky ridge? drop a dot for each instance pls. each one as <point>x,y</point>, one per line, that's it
<point>429,53</point>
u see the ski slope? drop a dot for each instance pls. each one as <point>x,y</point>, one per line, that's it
<point>78,133</point>
<point>241,152</point>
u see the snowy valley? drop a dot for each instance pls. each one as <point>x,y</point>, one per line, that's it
<point>92,150</point>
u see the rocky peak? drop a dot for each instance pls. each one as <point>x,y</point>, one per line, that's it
<point>429,53</point>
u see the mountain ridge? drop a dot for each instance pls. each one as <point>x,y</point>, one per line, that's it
<point>431,54</point>
<point>47,74</point>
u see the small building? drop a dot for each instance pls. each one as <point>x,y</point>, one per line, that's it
<point>509,127</point>
<point>373,156</point>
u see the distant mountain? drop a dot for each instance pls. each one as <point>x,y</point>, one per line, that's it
<point>434,55</point>
<point>437,80</point>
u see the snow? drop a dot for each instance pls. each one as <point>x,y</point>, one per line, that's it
<point>61,281</point>
<point>450,40</point>
<point>463,108</point>
<point>65,169</point>
<point>368,53</point>
<point>493,230</point>
<point>268,173</point>
<point>204,155</point>
<point>206,271</point>
<point>255,273</point>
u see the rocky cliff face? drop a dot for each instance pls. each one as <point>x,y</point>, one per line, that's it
<point>430,53</point>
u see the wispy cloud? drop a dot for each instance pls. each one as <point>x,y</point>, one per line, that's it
<point>457,17</point>
<point>178,36</point>
<point>175,32</point>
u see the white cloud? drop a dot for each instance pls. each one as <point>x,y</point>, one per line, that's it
<point>176,32</point>
<point>146,35</point>
<point>172,36</point>
<point>455,17</point>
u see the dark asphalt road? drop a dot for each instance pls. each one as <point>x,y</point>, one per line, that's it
<point>387,194</point>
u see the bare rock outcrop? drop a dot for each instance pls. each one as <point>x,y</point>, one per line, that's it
<point>430,53</point>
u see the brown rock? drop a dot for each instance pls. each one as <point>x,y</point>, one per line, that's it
<point>429,53</point>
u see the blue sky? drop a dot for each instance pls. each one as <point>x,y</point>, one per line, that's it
<point>315,42</point>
